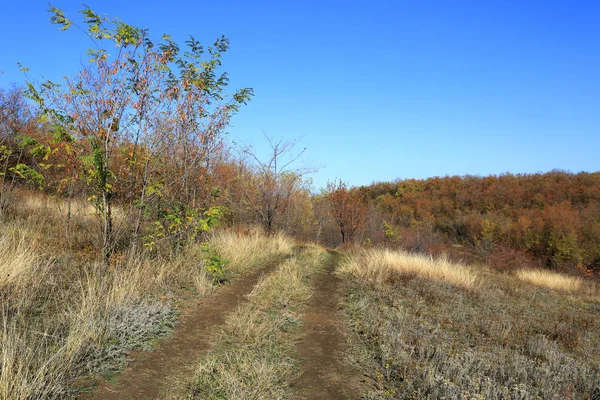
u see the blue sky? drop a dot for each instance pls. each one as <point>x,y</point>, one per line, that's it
<point>377,90</point>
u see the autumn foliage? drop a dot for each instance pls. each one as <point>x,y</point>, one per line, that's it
<point>547,219</point>
<point>142,128</point>
<point>348,208</point>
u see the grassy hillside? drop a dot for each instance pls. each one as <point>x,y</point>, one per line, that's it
<point>548,220</point>
<point>428,328</point>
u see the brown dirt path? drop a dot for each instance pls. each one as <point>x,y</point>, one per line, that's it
<point>325,372</point>
<point>150,376</point>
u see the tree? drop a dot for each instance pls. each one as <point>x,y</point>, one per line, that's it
<point>11,104</point>
<point>272,182</point>
<point>143,115</point>
<point>20,152</point>
<point>348,207</point>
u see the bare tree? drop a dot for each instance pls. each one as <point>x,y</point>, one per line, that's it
<point>268,190</point>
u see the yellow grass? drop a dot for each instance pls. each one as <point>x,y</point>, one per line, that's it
<point>551,280</point>
<point>17,261</point>
<point>40,354</point>
<point>244,251</point>
<point>379,265</point>
<point>57,306</point>
<point>56,207</point>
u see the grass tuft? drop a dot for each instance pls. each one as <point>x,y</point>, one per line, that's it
<point>551,280</point>
<point>380,265</point>
<point>245,251</point>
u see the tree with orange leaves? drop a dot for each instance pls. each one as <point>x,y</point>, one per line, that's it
<point>348,206</point>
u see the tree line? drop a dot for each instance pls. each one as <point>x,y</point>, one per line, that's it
<point>142,128</point>
<point>545,219</point>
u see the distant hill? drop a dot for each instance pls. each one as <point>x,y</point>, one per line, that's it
<point>550,219</point>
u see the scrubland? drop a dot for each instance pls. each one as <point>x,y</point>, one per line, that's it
<point>113,217</point>
<point>420,326</point>
<point>428,328</point>
<point>67,317</point>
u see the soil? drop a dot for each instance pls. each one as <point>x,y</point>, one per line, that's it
<point>151,374</point>
<point>325,371</point>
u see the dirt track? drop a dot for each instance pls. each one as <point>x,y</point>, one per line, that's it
<point>147,378</point>
<point>325,374</point>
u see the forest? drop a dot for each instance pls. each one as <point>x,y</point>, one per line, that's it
<point>549,220</point>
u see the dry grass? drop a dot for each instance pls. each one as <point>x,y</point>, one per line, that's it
<point>40,345</point>
<point>17,261</point>
<point>244,251</point>
<point>551,280</point>
<point>35,202</point>
<point>379,265</point>
<point>64,315</point>
<point>418,337</point>
<point>57,318</point>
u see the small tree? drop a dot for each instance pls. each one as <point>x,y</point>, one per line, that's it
<point>270,186</point>
<point>348,207</point>
<point>143,115</point>
<point>20,153</point>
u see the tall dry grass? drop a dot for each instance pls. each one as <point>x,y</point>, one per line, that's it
<point>244,251</point>
<point>64,315</point>
<point>56,318</point>
<point>58,208</point>
<point>42,334</point>
<point>551,280</point>
<point>379,265</point>
<point>17,261</point>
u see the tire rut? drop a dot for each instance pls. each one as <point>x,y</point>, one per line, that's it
<point>149,377</point>
<point>325,372</point>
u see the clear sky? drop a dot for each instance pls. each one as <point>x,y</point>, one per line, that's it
<point>378,90</point>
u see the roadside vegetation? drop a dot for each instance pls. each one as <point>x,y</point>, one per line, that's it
<point>419,334</point>
<point>66,316</point>
<point>248,249</point>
